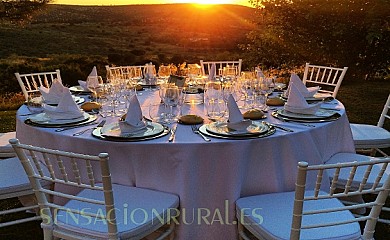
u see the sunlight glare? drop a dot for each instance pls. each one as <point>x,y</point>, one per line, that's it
<point>212,1</point>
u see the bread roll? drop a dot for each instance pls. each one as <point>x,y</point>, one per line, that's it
<point>89,106</point>
<point>275,101</point>
<point>254,114</point>
<point>190,119</point>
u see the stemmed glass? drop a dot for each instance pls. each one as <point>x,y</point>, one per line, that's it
<point>164,72</point>
<point>171,97</point>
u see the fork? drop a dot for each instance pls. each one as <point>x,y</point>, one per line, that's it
<point>195,129</point>
<point>101,124</point>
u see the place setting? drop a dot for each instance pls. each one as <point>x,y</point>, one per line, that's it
<point>65,114</point>
<point>131,127</point>
<point>236,127</point>
<point>90,85</point>
<point>297,108</point>
<point>52,96</point>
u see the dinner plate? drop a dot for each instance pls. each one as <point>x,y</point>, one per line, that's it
<point>38,100</point>
<point>41,120</point>
<point>98,134</point>
<point>269,132</point>
<point>318,120</point>
<point>79,89</point>
<point>113,130</point>
<point>221,128</point>
<point>320,114</point>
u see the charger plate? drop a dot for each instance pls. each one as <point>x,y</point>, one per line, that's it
<point>113,130</point>
<point>38,120</point>
<point>269,132</point>
<point>320,114</point>
<point>221,128</point>
<point>333,117</point>
<point>98,134</point>
<point>79,90</point>
<point>38,100</point>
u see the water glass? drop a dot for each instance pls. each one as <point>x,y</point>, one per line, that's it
<point>216,109</point>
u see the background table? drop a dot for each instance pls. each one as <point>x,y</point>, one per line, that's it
<point>207,176</point>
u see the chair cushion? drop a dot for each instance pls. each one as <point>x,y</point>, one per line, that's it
<point>344,173</point>
<point>370,136</point>
<point>6,149</point>
<point>269,216</point>
<point>13,178</point>
<point>138,211</point>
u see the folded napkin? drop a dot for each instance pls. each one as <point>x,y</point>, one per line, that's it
<point>53,94</point>
<point>306,92</point>
<point>212,72</point>
<point>133,121</point>
<point>296,103</point>
<point>236,120</point>
<point>92,80</point>
<point>66,109</point>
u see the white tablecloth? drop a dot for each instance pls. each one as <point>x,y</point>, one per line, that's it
<point>208,176</point>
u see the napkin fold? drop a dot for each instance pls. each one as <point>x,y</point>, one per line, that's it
<point>296,103</point>
<point>133,121</point>
<point>53,94</point>
<point>236,120</point>
<point>212,72</point>
<point>306,92</point>
<point>66,108</point>
<point>92,80</point>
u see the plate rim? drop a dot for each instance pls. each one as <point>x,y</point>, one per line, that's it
<point>139,137</point>
<point>88,120</point>
<point>271,131</point>
<point>237,135</point>
<point>334,117</point>
<point>310,117</point>
<point>97,134</point>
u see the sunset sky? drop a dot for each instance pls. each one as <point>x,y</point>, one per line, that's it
<point>127,2</point>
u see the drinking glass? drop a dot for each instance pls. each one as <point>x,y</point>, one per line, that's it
<point>216,109</point>
<point>171,96</point>
<point>213,90</point>
<point>35,103</point>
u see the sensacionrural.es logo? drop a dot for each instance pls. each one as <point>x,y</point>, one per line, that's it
<point>139,216</point>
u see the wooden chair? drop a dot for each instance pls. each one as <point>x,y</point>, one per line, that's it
<point>6,150</point>
<point>328,78</point>
<point>98,209</point>
<point>306,213</point>
<point>372,137</point>
<point>30,82</point>
<point>206,66</point>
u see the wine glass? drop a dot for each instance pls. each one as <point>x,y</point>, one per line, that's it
<point>216,109</point>
<point>171,98</point>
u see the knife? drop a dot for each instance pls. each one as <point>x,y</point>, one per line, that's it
<point>173,133</point>
<point>277,126</point>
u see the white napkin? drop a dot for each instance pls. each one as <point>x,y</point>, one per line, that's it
<point>212,72</point>
<point>66,109</point>
<point>133,121</point>
<point>296,103</point>
<point>92,80</point>
<point>53,94</point>
<point>236,120</point>
<point>306,92</point>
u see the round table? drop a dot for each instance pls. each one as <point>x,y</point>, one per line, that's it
<point>207,176</point>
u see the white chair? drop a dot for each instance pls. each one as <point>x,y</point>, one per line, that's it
<point>6,150</point>
<point>125,72</point>
<point>305,214</point>
<point>328,78</point>
<point>30,82</point>
<point>100,209</point>
<point>372,137</point>
<point>14,183</point>
<point>219,65</point>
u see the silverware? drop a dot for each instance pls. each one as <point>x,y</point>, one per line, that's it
<point>101,124</point>
<point>76,126</point>
<point>299,123</point>
<point>173,133</point>
<point>277,126</point>
<point>332,109</point>
<point>195,130</point>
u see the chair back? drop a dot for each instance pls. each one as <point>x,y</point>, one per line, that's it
<point>328,78</point>
<point>70,171</point>
<point>125,72</point>
<point>385,113</point>
<point>30,82</point>
<point>302,196</point>
<point>219,66</point>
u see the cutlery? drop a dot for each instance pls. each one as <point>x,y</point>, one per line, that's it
<point>101,124</point>
<point>299,123</point>
<point>76,126</point>
<point>173,133</point>
<point>195,130</point>
<point>333,109</point>
<point>277,126</point>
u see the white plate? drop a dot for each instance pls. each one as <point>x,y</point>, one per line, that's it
<point>78,89</point>
<point>320,114</point>
<point>221,128</point>
<point>113,130</point>
<point>78,100</point>
<point>44,119</point>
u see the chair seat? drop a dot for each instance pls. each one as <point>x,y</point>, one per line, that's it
<point>370,136</point>
<point>344,173</point>
<point>5,148</point>
<point>13,178</point>
<point>137,211</point>
<point>269,216</point>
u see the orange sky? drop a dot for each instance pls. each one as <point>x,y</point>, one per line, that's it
<point>127,2</point>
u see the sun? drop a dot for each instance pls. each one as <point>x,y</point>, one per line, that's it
<point>211,1</point>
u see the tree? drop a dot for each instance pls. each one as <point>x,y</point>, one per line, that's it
<point>19,10</point>
<point>353,33</point>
